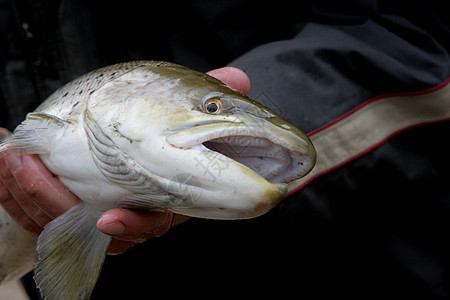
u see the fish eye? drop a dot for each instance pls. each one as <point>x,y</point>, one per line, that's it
<point>213,106</point>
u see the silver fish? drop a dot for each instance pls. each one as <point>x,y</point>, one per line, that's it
<point>155,136</point>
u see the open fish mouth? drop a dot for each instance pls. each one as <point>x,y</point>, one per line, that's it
<point>276,154</point>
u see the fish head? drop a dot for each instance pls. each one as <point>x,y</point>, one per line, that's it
<point>219,153</point>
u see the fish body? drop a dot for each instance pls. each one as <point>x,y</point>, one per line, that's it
<point>155,136</point>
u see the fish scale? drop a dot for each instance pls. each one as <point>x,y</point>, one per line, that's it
<point>64,101</point>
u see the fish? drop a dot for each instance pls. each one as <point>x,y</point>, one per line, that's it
<point>155,136</point>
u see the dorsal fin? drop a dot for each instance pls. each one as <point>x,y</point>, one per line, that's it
<point>64,100</point>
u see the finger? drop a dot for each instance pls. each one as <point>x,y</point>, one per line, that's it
<point>233,77</point>
<point>119,247</point>
<point>4,193</point>
<point>19,215</point>
<point>179,219</point>
<point>17,203</point>
<point>134,226</point>
<point>33,187</point>
<point>4,133</point>
<point>38,184</point>
<point>11,206</point>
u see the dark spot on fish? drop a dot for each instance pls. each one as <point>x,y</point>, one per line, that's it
<point>90,92</point>
<point>75,105</point>
<point>65,95</point>
<point>81,92</point>
<point>113,73</point>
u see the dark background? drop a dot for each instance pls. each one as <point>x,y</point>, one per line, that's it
<point>375,228</point>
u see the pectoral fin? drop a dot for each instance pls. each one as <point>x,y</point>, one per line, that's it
<point>71,252</point>
<point>35,134</point>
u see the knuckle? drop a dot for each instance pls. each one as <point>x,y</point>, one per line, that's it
<point>31,189</point>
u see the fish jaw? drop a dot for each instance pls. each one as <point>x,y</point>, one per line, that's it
<point>249,203</point>
<point>221,188</point>
<point>279,154</point>
<point>249,162</point>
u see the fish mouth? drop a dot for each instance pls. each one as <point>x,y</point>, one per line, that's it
<point>275,153</point>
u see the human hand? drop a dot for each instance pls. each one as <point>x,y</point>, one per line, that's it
<point>33,196</point>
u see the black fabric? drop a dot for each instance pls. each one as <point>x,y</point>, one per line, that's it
<point>44,44</point>
<point>377,227</point>
<point>328,69</point>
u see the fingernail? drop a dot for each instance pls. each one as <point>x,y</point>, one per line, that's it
<point>13,161</point>
<point>110,225</point>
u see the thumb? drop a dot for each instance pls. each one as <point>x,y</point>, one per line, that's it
<point>235,78</point>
